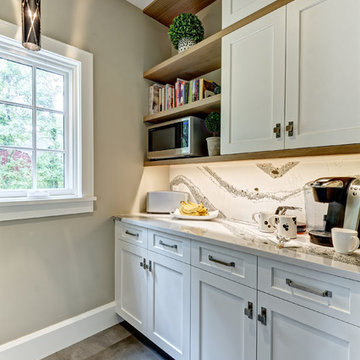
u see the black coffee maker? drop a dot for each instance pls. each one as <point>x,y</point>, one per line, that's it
<point>325,206</point>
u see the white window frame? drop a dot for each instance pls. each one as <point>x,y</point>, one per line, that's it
<point>77,66</point>
<point>68,68</point>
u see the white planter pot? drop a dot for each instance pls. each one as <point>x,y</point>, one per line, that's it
<point>213,144</point>
<point>184,44</point>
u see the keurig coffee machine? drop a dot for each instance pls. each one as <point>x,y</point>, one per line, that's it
<point>331,202</point>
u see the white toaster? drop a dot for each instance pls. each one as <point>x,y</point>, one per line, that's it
<point>164,202</point>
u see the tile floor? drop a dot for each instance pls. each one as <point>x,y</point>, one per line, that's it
<point>120,342</point>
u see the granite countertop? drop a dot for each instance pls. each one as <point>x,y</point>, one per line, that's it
<point>246,237</point>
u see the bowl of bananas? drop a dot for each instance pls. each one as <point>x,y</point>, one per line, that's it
<point>192,211</point>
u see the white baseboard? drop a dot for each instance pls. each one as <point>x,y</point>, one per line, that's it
<point>53,338</point>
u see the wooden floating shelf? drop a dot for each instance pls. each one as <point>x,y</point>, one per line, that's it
<point>197,60</point>
<point>203,57</point>
<point>314,151</point>
<point>164,11</point>
<point>199,107</point>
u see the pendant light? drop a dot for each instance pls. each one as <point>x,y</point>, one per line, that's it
<point>30,15</point>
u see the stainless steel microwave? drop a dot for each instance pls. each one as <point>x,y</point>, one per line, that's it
<point>183,137</point>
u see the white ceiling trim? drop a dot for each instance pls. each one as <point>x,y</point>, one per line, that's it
<point>141,4</point>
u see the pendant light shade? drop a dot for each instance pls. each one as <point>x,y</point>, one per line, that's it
<point>31,24</point>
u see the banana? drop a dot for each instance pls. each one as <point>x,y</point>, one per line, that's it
<point>192,209</point>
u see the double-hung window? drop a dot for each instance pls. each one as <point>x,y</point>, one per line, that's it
<point>45,114</point>
<point>37,152</point>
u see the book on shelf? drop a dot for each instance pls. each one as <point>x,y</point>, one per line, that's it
<point>186,95</point>
<point>196,93</point>
<point>199,89</point>
<point>168,96</point>
<point>180,90</point>
<point>190,91</point>
<point>154,100</point>
<point>161,104</point>
<point>206,88</point>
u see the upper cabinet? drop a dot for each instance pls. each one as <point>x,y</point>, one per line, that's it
<point>235,10</point>
<point>253,78</point>
<point>323,72</point>
<point>321,88</point>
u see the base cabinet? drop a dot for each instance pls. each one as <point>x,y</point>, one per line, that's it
<point>297,333</point>
<point>153,294</point>
<point>131,284</point>
<point>211,314</point>
<point>169,305</point>
<point>219,327</point>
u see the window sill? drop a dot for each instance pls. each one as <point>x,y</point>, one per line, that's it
<point>27,209</point>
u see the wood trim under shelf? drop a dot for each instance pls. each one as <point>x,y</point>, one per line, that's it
<point>164,11</point>
<point>199,107</point>
<point>313,151</point>
<point>205,56</point>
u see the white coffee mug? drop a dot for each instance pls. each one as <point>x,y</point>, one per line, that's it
<point>286,227</point>
<point>345,241</point>
<point>262,219</point>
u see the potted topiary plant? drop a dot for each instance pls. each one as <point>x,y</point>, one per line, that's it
<point>212,122</point>
<point>186,31</point>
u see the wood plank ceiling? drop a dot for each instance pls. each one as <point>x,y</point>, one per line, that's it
<point>164,11</point>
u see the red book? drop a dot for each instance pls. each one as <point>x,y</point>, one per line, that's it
<point>181,92</point>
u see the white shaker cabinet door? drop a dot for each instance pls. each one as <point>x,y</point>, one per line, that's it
<point>235,10</point>
<point>323,72</point>
<point>131,284</point>
<point>219,327</point>
<point>253,86</point>
<point>294,332</point>
<point>169,305</point>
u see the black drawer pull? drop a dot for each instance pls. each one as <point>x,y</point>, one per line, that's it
<point>230,264</point>
<point>131,234</point>
<point>167,245</point>
<point>143,264</point>
<point>322,293</point>
<point>263,316</point>
<point>249,310</point>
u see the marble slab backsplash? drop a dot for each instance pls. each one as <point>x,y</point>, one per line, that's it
<point>238,189</point>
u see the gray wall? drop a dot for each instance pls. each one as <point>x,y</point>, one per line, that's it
<point>54,268</point>
<point>211,20</point>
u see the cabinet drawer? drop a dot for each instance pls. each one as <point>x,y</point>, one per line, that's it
<point>172,246</point>
<point>131,233</point>
<point>231,264</point>
<point>329,294</point>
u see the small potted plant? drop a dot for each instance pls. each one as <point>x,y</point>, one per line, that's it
<point>186,31</point>
<point>212,123</point>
